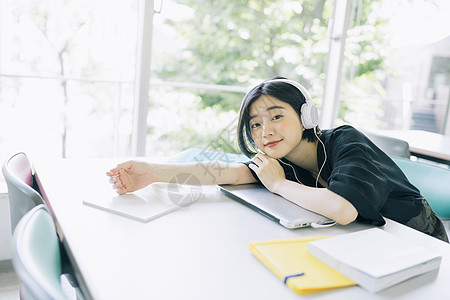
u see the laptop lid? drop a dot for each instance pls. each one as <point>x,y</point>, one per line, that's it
<point>273,206</point>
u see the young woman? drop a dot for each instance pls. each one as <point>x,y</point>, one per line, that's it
<point>338,173</point>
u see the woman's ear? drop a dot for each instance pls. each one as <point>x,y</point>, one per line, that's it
<point>303,127</point>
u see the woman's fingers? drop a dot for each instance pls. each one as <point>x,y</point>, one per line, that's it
<point>121,190</point>
<point>112,172</point>
<point>253,167</point>
<point>113,179</point>
<point>115,171</point>
<point>119,178</point>
<point>260,159</point>
<point>116,178</point>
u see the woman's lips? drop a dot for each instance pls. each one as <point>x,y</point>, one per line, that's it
<point>272,144</point>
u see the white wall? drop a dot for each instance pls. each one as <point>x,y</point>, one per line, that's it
<point>5,228</point>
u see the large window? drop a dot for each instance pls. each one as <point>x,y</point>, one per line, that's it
<point>68,68</point>
<point>66,77</point>
<point>206,53</point>
<point>397,67</point>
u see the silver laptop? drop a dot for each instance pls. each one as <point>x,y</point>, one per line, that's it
<point>275,207</point>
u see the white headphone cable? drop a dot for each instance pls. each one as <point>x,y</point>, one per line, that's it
<point>321,168</point>
<point>324,160</point>
<point>295,174</point>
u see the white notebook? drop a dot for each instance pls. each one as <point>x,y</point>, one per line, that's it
<point>147,204</point>
<point>374,258</point>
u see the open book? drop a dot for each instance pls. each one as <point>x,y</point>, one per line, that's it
<point>147,204</point>
<point>374,258</point>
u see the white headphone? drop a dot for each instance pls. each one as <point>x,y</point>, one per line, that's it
<point>309,114</point>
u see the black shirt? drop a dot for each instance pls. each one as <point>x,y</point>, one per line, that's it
<point>363,174</point>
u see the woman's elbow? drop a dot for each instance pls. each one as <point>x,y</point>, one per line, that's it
<point>347,214</point>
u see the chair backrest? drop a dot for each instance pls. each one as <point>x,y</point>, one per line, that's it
<point>391,146</point>
<point>36,256</point>
<point>19,178</point>
<point>432,181</point>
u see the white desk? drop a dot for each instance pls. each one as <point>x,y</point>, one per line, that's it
<point>200,252</point>
<point>428,145</point>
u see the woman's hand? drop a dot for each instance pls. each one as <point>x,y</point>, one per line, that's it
<point>131,176</point>
<point>269,171</point>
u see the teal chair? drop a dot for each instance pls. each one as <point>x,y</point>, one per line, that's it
<point>36,256</point>
<point>23,192</point>
<point>432,181</point>
<point>391,146</point>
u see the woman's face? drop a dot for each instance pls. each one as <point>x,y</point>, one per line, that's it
<point>275,126</point>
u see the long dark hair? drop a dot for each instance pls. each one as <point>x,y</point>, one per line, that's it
<point>281,90</point>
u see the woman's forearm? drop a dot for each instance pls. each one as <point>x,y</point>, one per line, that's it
<point>318,200</point>
<point>203,172</point>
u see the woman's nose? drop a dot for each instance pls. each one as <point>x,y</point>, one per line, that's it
<point>267,130</point>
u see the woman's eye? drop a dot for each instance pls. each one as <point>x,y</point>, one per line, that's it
<point>277,117</point>
<point>253,126</point>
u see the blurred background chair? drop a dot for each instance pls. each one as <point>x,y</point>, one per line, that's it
<point>432,181</point>
<point>391,146</point>
<point>36,256</point>
<point>23,192</point>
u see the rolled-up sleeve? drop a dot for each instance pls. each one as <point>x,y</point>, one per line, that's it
<point>357,178</point>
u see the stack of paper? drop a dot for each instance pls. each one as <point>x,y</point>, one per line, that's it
<point>293,265</point>
<point>374,258</point>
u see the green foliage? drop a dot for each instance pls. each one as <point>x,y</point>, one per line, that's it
<point>236,42</point>
<point>178,121</point>
<point>366,52</point>
<point>242,42</point>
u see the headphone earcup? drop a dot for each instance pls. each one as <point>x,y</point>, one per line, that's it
<point>309,115</point>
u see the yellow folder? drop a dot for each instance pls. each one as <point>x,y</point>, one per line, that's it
<point>299,270</point>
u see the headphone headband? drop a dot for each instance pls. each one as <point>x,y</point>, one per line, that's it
<point>299,87</point>
<point>308,111</point>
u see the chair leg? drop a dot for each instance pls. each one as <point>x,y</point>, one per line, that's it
<point>67,268</point>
